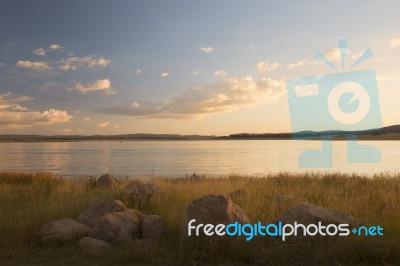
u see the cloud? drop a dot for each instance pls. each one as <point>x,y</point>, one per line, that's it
<point>164,74</point>
<point>207,49</point>
<point>73,62</point>
<point>33,65</point>
<point>14,115</point>
<point>103,124</point>
<point>55,47</point>
<point>297,64</point>
<point>138,71</point>
<point>220,73</point>
<point>2,65</point>
<point>117,126</point>
<point>98,85</point>
<point>39,51</point>
<point>266,66</point>
<point>333,54</point>
<point>204,99</point>
<point>394,42</point>
<point>87,119</point>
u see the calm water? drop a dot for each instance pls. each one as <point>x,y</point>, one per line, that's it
<point>177,158</point>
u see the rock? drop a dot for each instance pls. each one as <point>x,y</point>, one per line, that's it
<point>306,213</point>
<point>213,209</point>
<point>122,226</point>
<point>92,215</point>
<point>140,192</point>
<point>93,246</point>
<point>63,230</point>
<point>106,181</point>
<point>153,227</point>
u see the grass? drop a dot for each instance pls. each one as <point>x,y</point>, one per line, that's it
<point>29,200</point>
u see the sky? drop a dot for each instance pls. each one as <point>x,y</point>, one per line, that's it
<point>180,67</point>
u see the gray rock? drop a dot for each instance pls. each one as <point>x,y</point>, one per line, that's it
<point>153,227</point>
<point>61,231</point>
<point>106,181</point>
<point>92,215</point>
<point>213,209</point>
<point>140,192</point>
<point>306,213</point>
<point>93,246</point>
<point>122,226</point>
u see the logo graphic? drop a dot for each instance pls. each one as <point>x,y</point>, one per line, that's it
<point>279,229</point>
<point>331,105</point>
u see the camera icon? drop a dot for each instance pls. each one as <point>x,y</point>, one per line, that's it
<point>326,106</point>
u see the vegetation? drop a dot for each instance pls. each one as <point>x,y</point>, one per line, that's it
<point>29,200</point>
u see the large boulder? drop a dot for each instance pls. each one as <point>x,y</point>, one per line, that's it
<point>153,227</point>
<point>106,181</point>
<point>306,214</point>
<point>92,215</point>
<point>119,226</point>
<point>213,209</point>
<point>61,231</point>
<point>140,192</point>
<point>93,246</point>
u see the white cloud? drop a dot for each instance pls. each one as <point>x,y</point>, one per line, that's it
<point>55,46</point>
<point>73,62</point>
<point>266,66</point>
<point>39,51</point>
<point>33,65</point>
<point>394,42</point>
<point>207,49</point>
<point>138,71</point>
<point>13,114</point>
<point>164,74</point>
<point>87,119</point>
<point>117,126</point>
<point>98,85</point>
<point>333,54</point>
<point>220,73</point>
<point>297,64</point>
<point>195,72</point>
<point>103,124</point>
<point>198,101</point>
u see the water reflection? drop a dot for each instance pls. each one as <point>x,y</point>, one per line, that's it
<point>176,158</point>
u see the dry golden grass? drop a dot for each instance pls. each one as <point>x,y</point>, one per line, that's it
<point>28,200</point>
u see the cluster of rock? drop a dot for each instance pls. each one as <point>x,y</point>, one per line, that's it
<point>109,221</point>
<point>102,223</point>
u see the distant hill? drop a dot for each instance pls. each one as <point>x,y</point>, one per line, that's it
<point>139,136</point>
<point>390,132</point>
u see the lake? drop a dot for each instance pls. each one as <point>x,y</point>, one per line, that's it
<point>178,158</point>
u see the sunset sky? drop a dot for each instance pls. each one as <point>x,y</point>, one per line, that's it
<point>185,67</point>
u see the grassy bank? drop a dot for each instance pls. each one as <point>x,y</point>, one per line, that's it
<point>29,200</point>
